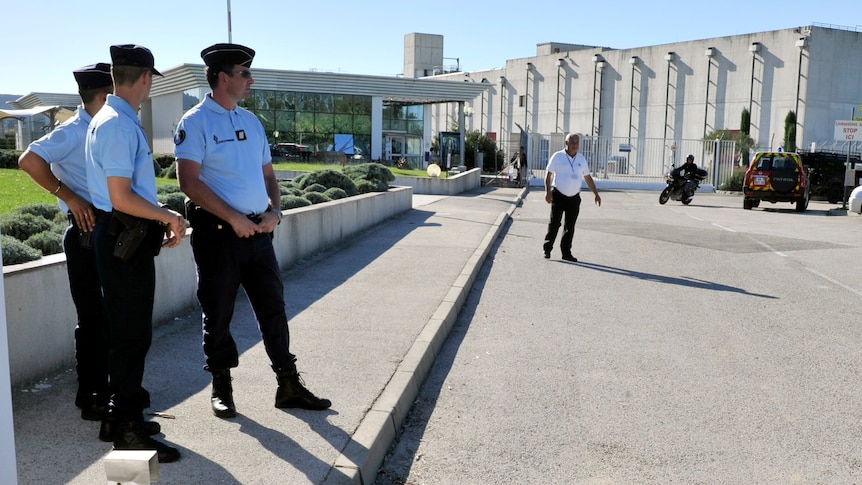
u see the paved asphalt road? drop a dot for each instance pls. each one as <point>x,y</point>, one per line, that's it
<point>690,344</point>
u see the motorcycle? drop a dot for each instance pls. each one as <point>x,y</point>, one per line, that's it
<point>681,188</point>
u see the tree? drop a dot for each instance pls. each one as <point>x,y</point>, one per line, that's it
<point>477,142</point>
<point>744,143</point>
<point>790,132</point>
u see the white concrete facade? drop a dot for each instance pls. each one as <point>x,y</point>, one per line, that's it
<point>675,91</point>
<point>423,55</point>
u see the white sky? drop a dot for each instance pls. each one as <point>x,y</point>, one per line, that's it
<point>44,41</point>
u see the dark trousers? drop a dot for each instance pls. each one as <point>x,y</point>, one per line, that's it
<point>560,206</point>
<point>91,333</point>
<point>224,262</point>
<point>128,290</point>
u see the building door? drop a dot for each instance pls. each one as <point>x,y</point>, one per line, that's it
<point>396,147</point>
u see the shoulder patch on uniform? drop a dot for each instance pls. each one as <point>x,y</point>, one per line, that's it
<point>179,137</point>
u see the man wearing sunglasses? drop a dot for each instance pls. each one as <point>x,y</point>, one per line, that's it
<point>224,166</point>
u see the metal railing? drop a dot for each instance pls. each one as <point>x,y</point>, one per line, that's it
<point>641,160</point>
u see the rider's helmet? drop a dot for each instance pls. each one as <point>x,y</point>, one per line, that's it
<point>689,157</point>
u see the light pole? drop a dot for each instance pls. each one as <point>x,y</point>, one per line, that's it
<point>802,43</point>
<point>482,109</point>
<point>229,33</point>
<point>560,64</point>
<point>669,57</point>
<point>709,53</point>
<point>502,97</point>
<point>527,96</point>
<point>634,62</point>
<point>598,75</point>
<point>753,48</point>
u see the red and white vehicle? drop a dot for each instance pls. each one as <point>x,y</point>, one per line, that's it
<point>776,177</point>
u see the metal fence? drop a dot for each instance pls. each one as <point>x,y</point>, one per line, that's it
<point>641,160</point>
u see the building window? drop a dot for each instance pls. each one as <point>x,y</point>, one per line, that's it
<point>191,97</point>
<point>311,119</point>
<point>404,118</point>
<point>522,101</point>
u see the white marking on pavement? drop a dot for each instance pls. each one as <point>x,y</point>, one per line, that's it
<point>722,227</point>
<point>767,246</point>
<point>834,281</point>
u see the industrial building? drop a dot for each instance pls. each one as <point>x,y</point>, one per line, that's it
<point>642,108</point>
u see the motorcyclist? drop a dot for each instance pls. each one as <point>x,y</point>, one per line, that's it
<point>687,169</point>
<point>684,172</point>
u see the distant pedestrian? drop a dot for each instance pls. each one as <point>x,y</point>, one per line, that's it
<point>566,171</point>
<point>523,168</point>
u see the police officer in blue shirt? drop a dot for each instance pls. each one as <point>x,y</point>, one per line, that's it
<point>56,162</point>
<point>121,180</point>
<point>225,168</point>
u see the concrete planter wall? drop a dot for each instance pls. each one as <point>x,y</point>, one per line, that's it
<point>40,315</point>
<point>451,185</point>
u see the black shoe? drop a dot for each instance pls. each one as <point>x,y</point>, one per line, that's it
<point>222,395</point>
<point>291,393</point>
<point>132,436</point>
<point>108,430</point>
<point>570,258</point>
<point>547,255</point>
<point>92,408</point>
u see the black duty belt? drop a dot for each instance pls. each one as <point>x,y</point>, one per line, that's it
<point>103,216</point>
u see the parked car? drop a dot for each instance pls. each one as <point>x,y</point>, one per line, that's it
<point>827,173</point>
<point>292,150</point>
<point>855,200</point>
<point>776,177</point>
<point>356,155</point>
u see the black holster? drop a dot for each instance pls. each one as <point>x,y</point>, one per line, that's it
<point>131,231</point>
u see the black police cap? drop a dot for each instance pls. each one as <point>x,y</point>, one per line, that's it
<point>93,76</point>
<point>133,55</point>
<point>227,54</point>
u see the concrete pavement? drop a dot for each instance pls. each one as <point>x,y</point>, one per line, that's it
<point>367,320</point>
<point>699,344</point>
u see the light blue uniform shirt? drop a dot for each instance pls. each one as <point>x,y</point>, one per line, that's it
<point>232,148</point>
<point>117,147</point>
<point>63,149</point>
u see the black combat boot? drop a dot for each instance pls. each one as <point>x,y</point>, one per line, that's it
<point>132,436</point>
<point>109,429</point>
<point>222,397</point>
<point>92,407</point>
<point>292,393</point>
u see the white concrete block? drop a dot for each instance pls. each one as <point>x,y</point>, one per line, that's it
<point>135,467</point>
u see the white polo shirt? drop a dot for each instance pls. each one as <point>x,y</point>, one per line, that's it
<point>568,172</point>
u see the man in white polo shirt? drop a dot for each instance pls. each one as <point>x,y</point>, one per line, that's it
<point>565,172</point>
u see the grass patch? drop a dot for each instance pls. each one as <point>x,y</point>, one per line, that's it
<point>17,189</point>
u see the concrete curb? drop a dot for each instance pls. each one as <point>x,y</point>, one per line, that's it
<point>363,455</point>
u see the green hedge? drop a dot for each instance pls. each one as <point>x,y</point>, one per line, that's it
<point>9,158</point>
<point>36,229</point>
<point>16,252</point>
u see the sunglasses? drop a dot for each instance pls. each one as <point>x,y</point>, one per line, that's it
<point>245,73</point>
